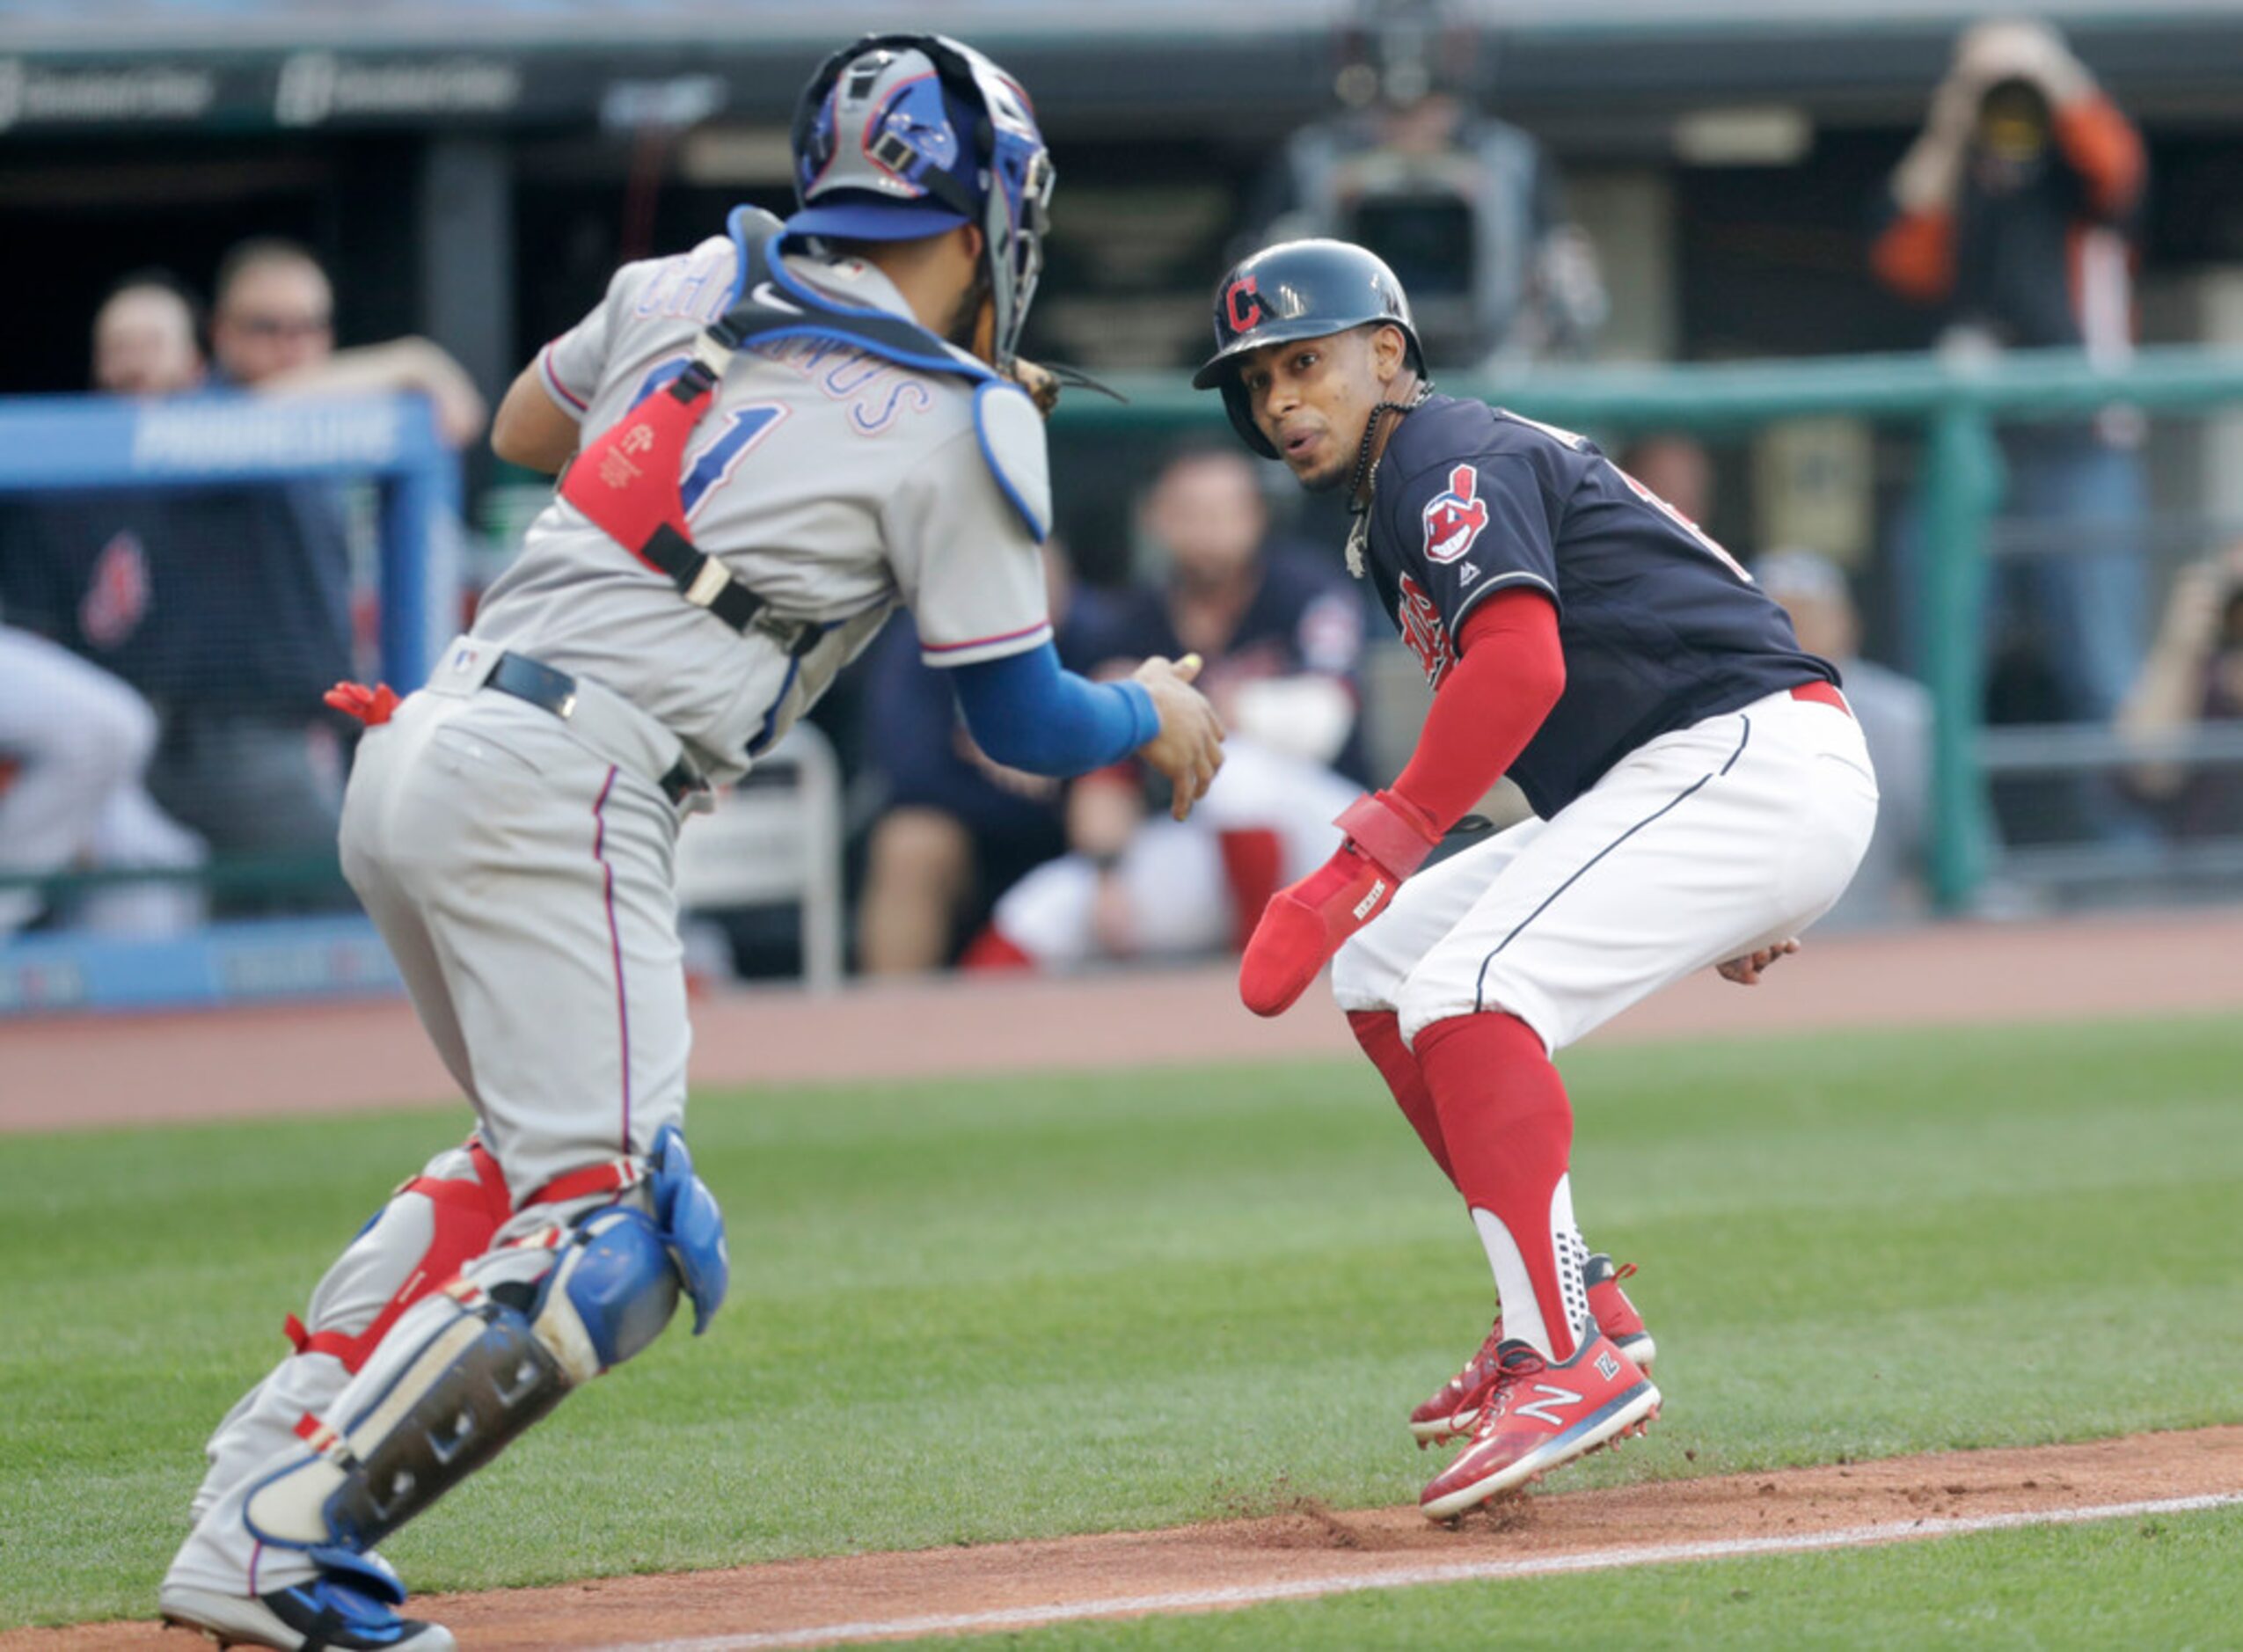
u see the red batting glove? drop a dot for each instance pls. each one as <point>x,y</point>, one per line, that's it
<point>371,705</point>
<point>1388,839</point>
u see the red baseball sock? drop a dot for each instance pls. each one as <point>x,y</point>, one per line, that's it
<point>990,950</point>
<point>1380,1034</point>
<point>1509,1130</point>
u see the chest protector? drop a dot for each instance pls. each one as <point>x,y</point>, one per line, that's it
<point>627,480</point>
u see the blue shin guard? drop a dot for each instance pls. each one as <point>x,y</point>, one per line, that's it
<point>464,1372</point>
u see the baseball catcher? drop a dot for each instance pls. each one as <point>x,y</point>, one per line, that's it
<point>771,442</point>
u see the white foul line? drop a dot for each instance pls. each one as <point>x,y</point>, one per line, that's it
<point>1402,1578</point>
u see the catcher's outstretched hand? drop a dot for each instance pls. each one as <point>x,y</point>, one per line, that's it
<point>1188,748</point>
<point>1747,970</point>
<point>1041,382</point>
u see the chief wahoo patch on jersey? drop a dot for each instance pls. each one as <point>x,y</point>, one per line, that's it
<point>1455,517</point>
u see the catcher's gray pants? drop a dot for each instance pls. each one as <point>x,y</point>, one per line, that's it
<point>523,879</point>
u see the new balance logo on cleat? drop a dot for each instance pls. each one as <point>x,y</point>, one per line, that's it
<point>1539,1409</point>
<point>1527,1426</point>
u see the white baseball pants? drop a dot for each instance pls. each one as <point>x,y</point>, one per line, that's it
<point>1697,847</point>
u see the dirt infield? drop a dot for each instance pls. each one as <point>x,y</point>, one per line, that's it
<point>1297,1549</point>
<point>81,1070</point>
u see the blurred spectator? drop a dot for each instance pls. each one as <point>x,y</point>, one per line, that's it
<point>146,337</point>
<point>2194,676</point>
<point>1895,716</point>
<point>1467,209</point>
<point>2014,209</point>
<point>229,608</point>
<point>956,829</point>
<point>73,743</point>
<point>1281,633</point>
<point>1677,468</point>
<point>273,329</point>
<point>1280,627</point>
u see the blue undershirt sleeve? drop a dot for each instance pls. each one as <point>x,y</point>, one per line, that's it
<point>1027,713</point>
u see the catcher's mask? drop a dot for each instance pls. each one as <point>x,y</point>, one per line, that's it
<point>903,136</point>
<point>1298,290</point>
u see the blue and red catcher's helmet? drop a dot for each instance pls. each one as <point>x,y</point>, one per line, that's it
<point>1298,290</point>
<point>903,136</point>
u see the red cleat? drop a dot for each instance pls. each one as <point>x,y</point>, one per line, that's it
<point>1614,1314</point>
<point>1536,1416</point>
<point>1452,1409</point>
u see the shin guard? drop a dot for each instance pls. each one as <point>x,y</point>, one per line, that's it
<point>462,1373</point>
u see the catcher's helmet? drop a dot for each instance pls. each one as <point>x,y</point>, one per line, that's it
<point>1298,290</point>
<point>903,136</point>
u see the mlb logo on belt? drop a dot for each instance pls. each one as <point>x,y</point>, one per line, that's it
<point>1454,519</point>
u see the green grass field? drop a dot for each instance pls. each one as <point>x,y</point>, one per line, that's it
<point>965,1312</point>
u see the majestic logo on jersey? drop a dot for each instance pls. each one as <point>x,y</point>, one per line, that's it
<point>1243,316</point>
<point>1454,519</point>
<point>1423,631</point>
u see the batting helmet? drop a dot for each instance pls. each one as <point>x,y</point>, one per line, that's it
<point>1298,290</point>
<point>903,136</point>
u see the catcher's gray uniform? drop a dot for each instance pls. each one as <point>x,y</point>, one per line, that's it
<point>518,862</point>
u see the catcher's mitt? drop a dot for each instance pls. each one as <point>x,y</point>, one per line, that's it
<point>1043,384</point>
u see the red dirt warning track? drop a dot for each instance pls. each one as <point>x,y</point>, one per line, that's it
<point>284,1061</point>
<point>1299,1549</point>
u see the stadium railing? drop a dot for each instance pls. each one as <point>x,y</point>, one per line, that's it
<point>1956,408</point>
<point>775,839</point>
<point>53,444</point>
<point>57,445</point>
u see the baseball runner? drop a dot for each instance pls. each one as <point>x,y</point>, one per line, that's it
<point>1702,794</point>
<point>773,442</point>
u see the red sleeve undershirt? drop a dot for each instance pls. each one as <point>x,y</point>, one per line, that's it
<point>1509,673</point>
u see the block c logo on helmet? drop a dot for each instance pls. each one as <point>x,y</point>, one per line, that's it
<point>1243,317</point>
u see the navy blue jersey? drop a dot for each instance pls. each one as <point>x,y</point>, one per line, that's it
<point>1659,626</point>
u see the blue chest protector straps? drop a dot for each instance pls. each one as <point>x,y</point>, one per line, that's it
<point>1027,713</point>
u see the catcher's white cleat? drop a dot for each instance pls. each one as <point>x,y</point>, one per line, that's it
<point>330,1612</point>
